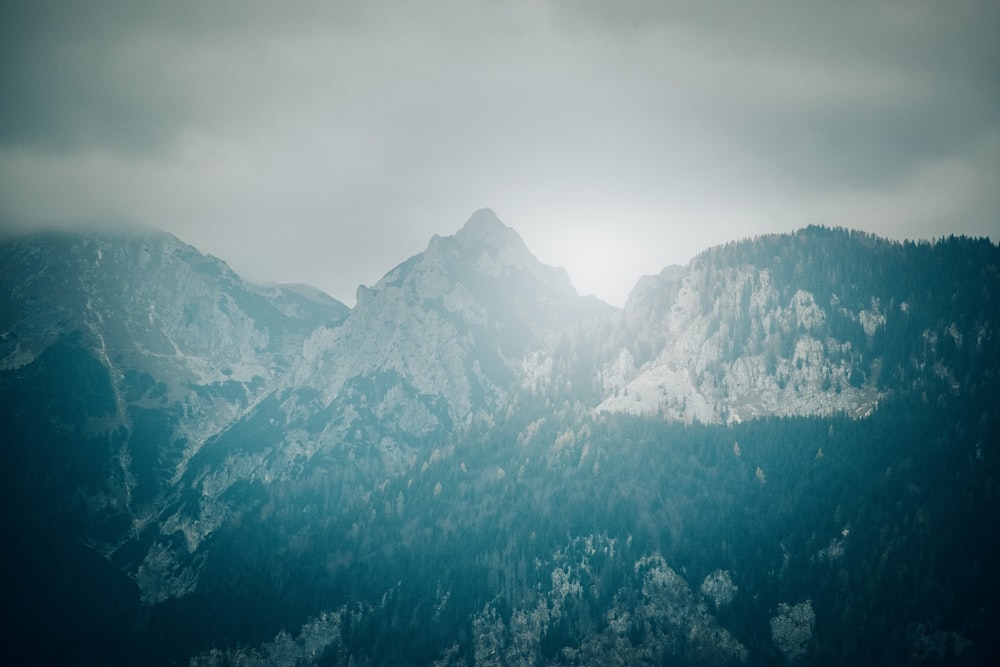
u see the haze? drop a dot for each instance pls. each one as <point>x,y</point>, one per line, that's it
<point>324,142</point>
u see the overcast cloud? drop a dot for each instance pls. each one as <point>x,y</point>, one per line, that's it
<point>325,141</point>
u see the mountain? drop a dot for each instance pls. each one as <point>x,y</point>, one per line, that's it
<point>122,354</point>
<point>784,451</point>
<point>820,322</point>
<point>453,323</point>
<point>441,337</point>
<point>797,325</point>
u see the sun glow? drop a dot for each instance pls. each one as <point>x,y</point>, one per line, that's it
<point>598,261</point>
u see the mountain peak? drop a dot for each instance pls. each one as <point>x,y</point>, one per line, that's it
<point>484,227</point>
<point>484,218</point>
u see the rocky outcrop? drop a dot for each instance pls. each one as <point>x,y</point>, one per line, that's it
<point>721,344</point>
<point>180,345</point>
<point>454,322</point>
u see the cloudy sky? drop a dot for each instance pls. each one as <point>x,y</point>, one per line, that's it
<point>324,141</point>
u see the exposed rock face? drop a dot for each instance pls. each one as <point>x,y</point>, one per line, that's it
<point>453,322</point>
<point>719,344</point>
<point>719,589</point>
<point>654,625</point>
<point>777,326</point>
<point>160,348</point>
<point>792,628</point>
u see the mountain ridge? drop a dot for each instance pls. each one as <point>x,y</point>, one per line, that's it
<point>167,415</point>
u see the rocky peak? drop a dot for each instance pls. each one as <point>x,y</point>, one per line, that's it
<point>496,247</point>
<point>484,226</point>
<point>172,340</point>
<point>484,250</point>
<point>454,320</point>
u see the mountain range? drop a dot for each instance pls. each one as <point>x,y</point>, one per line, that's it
<point>783,452</point>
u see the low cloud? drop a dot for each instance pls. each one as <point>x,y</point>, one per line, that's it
<point>327,141</point>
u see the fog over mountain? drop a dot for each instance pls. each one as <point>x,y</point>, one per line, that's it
<point>782,452</point>
<point>320,141</point>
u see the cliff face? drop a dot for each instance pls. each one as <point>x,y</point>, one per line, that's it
<point>821,322</point>
<point>453,322</point>
<point>130,351</point>
<point>728,346</point>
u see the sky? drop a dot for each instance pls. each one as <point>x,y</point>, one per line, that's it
<point>324,142</point>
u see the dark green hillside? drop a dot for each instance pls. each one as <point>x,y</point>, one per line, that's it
<point>885,525</point>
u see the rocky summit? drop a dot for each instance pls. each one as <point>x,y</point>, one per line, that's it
<point>784,452</point>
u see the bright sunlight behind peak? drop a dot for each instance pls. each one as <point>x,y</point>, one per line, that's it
<point>599,261</point>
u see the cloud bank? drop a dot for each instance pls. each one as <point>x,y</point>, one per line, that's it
<point>325,141</point>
